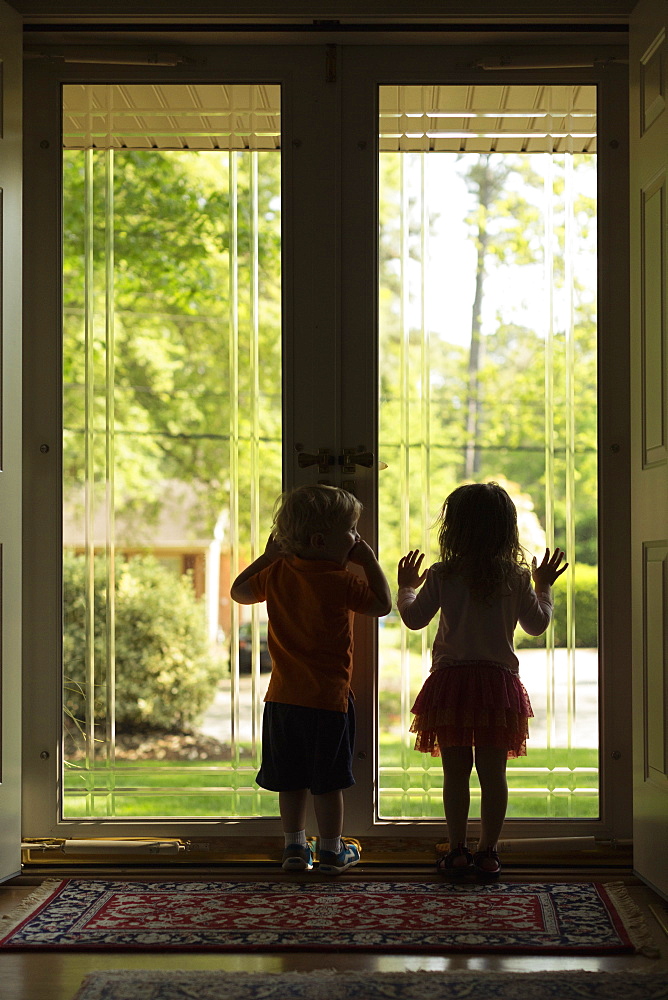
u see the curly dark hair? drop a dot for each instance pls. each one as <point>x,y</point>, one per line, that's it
<point>478,539</point>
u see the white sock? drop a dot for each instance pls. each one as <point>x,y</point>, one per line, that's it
<point>295,838</point>
<point>332,844</point>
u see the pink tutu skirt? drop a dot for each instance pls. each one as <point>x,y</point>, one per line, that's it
<point>472,703</point>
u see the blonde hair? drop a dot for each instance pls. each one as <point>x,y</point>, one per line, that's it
<point>479,539</point>
<point>304,511</point>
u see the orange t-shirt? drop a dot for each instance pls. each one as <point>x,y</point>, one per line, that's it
<point>310,604</point>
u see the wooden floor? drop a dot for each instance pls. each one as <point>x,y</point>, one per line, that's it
<point>57,976</point>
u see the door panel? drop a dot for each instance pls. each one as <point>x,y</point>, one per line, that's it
<point>113,363</point>
<point>649,413</point>
<point>488,371</point>
<point>172,445</point>
<point>367,70</point>
<point>10,448</point>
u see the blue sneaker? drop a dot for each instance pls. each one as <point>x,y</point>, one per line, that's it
<point>334,864</point>
<point>297,858</point>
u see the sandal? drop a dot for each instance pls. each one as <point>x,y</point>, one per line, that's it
<point>446,862</point>
<point>489,855</point>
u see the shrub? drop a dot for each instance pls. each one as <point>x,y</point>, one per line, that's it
<point>586,612</point>
<point>165,675</point>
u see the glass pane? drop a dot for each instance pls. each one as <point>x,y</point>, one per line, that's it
<point>488,372</point>
<point>171,443</point>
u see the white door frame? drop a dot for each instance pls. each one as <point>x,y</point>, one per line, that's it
<point>329,278</point>
<point>11,111</point>
<point>649,443</point>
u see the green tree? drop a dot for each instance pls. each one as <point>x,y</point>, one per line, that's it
<point>512,388</point>
<point>504,377</point>
<point>503,227</point>
<point>170,373</point>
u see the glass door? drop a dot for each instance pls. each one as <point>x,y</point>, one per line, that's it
<point>488,372</point>
<point>192,377</point>
<point>172,448</point>
<point>493,191</point>
<point>273,276</point>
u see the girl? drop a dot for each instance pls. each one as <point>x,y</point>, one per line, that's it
<point>473,696</point>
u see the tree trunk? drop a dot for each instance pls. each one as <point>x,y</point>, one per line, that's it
<point>473,403</point>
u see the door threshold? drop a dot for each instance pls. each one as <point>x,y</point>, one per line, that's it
<point>254,852</point>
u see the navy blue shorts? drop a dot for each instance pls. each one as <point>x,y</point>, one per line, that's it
<point>306,748</point>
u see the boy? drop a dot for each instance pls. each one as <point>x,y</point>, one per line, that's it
<point>308,727</point>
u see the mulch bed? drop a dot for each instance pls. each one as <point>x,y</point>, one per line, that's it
<point>158,745</point>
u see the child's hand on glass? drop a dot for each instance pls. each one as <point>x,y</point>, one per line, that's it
<point>408,571</point>
<point>549,569</point>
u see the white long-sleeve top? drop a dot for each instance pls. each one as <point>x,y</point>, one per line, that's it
<point>470,628</point>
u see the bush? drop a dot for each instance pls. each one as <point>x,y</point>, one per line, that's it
<point>586,612</point>
<point>165,675</point>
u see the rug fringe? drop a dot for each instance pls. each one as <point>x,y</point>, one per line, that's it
<point>633,919</point>
<point>10,921</point>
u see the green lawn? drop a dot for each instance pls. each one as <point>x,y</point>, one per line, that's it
<point>545,784</point>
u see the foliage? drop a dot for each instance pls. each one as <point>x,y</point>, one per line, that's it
<point>165,372</point>
<point>164,674</point>
<point>585,611</point>
<point>424,436</point>
<point>172,377</point>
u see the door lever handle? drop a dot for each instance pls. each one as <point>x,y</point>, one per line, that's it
<point>351,458</point>
<point>324,459</point>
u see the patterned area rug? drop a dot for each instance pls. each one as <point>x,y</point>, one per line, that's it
<point>374,986</point>
<point>581,918</point>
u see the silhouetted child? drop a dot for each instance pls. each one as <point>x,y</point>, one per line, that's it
<point>309,718</point>
<point>473,696</point>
